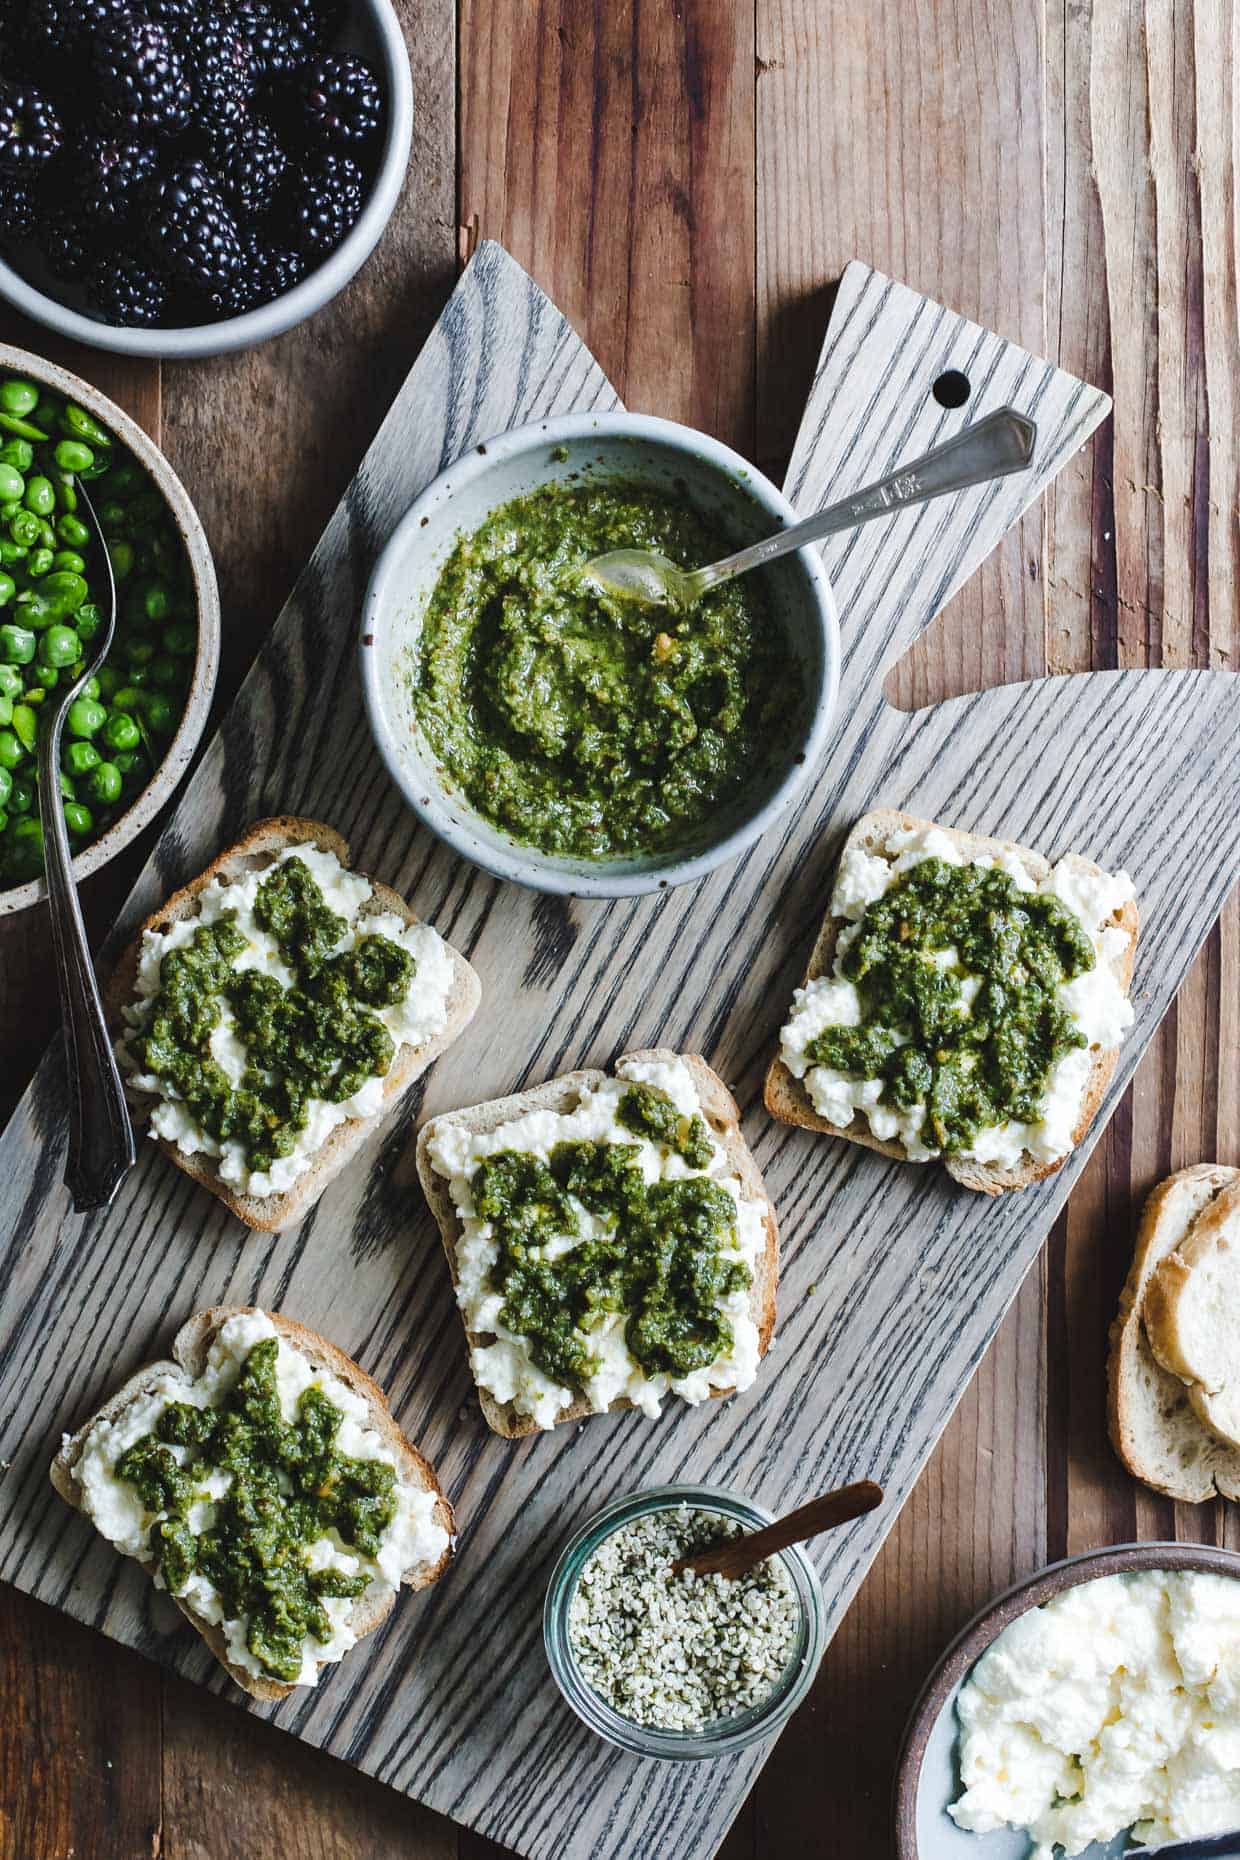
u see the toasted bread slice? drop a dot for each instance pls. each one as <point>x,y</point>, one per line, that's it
<point>788,1100</point>
<point>256,848</point>
<point>1192,1313</point>
<point>561,1094</point>
<point>189,1354</point>
<point>1151,1419</point>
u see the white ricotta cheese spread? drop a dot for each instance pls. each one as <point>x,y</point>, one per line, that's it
<point>1116,1705</point>
<point>414,1539</point>
<point>412,1022</point>
<point>504,1367</point>
<point>1095,1000</point>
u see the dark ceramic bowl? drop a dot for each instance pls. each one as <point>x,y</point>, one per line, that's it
<point>927,1776</point>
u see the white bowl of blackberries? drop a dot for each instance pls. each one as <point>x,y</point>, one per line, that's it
<point>184,177</point>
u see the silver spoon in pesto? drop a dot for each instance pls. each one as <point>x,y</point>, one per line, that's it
<point>1000,444</point>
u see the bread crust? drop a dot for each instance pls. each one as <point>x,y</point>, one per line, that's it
<point>787,1099</point>
<point>1132,1365</point>
<point>560,1094</point>
<point>189,1357</point>
<point>256,848</point>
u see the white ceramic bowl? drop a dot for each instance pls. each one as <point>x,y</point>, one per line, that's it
<point>374,32</point>
<point>147,804</point>
<point>927,1775</point>
<point>725,488</point>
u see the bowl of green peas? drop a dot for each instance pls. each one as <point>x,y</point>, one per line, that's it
<point>130,734</point>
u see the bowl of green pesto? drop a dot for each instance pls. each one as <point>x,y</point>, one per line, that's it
<point>569,741</point>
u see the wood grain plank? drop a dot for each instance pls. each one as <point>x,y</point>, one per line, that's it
<point>1147,299</point>
<point>611,150</point>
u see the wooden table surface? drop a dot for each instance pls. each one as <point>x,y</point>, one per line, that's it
<point>687,178</point>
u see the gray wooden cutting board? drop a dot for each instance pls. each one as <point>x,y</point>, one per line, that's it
<point>451,1701</point>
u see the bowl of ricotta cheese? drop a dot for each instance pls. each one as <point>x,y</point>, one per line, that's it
<point>568,740</point>
<point>1093,1708</point>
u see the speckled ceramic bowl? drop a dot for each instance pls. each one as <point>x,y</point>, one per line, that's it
<point>928,1777</point>
<point>147,804</point>
<point>592,447</point>
<point>374,32</point>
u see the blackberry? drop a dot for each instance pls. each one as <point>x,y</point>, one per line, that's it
<point>326,201</point>
<point>251,168</point>
<point>68,248</point>
<point>142,83</point>
<point>64,27</point>
<point>315,21</point>
<point>341,102</point>
<point>178,17</point>
<point>223,73</point>
<point>129,292</point>
<point>278,49</point>
<point>110,176</point>
<point>17,212</point>
<point>30,132</point>
<point>194,233</point>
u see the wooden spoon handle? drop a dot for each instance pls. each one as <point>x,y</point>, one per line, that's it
<point>733,1558</point>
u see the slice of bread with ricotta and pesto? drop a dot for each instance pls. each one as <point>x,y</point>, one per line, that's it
<point>1192,1313</point>
<point>208,1356</point>
<point>883,846</point>
<point>443,996</point>
<point>1156,1428</point>
<point>517,1398</point>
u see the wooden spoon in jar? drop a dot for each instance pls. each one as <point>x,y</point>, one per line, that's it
<point>739,1554</point>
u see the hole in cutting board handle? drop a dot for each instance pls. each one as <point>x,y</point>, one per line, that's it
<point>952,389</point>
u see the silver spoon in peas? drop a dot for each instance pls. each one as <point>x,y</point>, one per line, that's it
<point>994,447</point>
<point>101,1146</point>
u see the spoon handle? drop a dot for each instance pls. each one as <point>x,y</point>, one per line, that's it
<point>101,1146</point>
<point>991,448</point>
<point>738,1554</point>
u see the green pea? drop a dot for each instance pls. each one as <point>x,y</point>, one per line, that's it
<point>181,638</point>
<point>17,396</point>
<point>156,600</point>
<point>88,620</point>
<point>6,712</point>
<point>90,689</point>
<point>121,553</point>
<point>47,535</point>
<point>167,673</point>
<point>78,818</point>
<point>48,411</point>
<point>78,424</point>
<point>19,453</point>
<point>121,732</point>
<point>111,516</point>
<point>129,697</point>
<point>12,755</point>
<point>108,680</point>
<point>160,713</point>
<point>12,485</point>
<point>138,651</point>
<point>24,528</point>
<point>6,787</point>
<point>124,477</point>
<point>10,682</point>
<point>33,608</point>
<point>25,727</point>
<point>11,552</point>
<point>105,783</point>
<point>49,678</point>
<point>72,530</point>
<point>69,562</point>
<point>40,496</point>
<point>126,761</point>
<point>27,842</point>
<point>21,795</point>
<point>66,491</point>
<point>72,455</point>
<point>60,646</point>
<point>39,563</point>
<point>80,758</point>
<point>16,644</point>
<point>86,717</point>
<point>67,590</point>
<point>8,588</point>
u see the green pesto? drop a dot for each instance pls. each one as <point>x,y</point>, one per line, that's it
<point>971,1069</point>
<point>586,725</point>
<point>289,1487</point>
<point>649,1112</point>
<point>660,1258</point>
<point>316,1039</point>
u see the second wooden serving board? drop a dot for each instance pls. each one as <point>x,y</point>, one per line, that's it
<point>451,1701</point>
